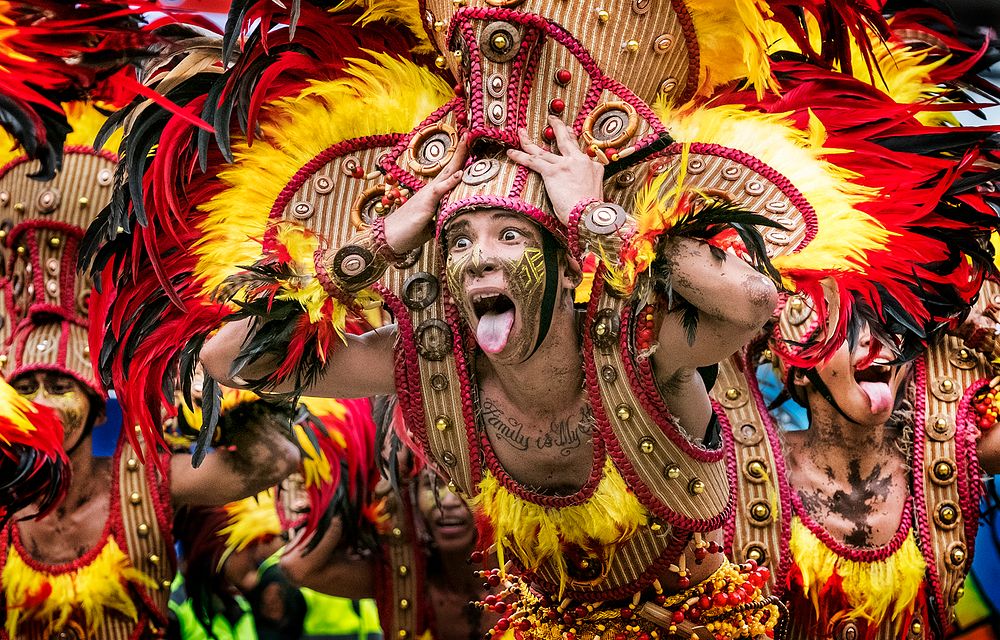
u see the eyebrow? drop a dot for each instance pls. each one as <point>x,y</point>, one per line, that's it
<point>457,226</point>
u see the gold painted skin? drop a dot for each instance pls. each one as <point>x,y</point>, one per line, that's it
<point>523,278</point>
<point>62,393</point>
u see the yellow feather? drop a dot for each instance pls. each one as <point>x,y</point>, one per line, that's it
<point>880,592</point>
<point>86,594</point>
<point>250,519</point>
<point>404,11</point>
<point>845,234</point>
<point>14,412</point>
<point>537,534</point>
<point>732,43</point>
<point>381,96</point>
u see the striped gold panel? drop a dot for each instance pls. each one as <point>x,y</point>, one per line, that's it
<point>802,625</point>
<point>756,535</point>
<point>625,563</point>
<point>646,445</point>
<point>75,196</point>
<point>640,43</point>
<point>400,549</point>
<point>149,548</point>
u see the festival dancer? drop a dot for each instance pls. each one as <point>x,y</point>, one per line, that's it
<point>585,432</point>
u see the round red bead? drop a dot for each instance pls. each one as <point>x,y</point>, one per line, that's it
<point>678,617</point>
<point>720,599</point>
<point>523,624</point>
<point>704,602</point>
<point>549,134</point>
<point>694,613</point>
<point>503,624</point>
<point>563,76</point>
<point>557,106</point>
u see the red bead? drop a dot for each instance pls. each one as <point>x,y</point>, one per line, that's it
<point>642,636</point>
<point>580,612</point>
<point>769,633</point>
<point>720,599</point>
<point>523,624</point>
<point>660,599</point>
<point>620,636</point>
<point>549,134</point>
<point>677,617</point>
<point>764,573</point>
<point>625,613</point>
<point>752,563</point>
<point>701,552</point>
<point>563,76</point>
<point>500,607</point>
<point>684,582</point>
<point>494,581</point>
<point>610,152</point>
<point>570,636</point>
<point>590,152</point>
<point>694,613</point>
<point>735,599</point>
<point>490,599</point>
<point>568,619</point>
<point>557,106</point>
<point>462,118</point>
<point>704,602</point>
<point>502,624</point>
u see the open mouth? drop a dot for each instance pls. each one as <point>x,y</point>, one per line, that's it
<point>495,313</point>
<point>491,303</point>
<point>874,381</point>
<point>876,372</point>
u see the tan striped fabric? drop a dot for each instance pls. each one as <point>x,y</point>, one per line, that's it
<point>401,590</point>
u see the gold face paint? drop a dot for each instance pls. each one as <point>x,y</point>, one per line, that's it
<point>61,393</point>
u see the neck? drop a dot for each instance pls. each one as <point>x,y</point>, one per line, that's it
<point>455,573</point>
<point>88,474</point>
<point>831,430</point>
<point>548,380</point>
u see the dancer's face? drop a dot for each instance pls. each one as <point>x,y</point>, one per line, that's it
<point>496,274</point>
<point>63,393</point>
<point>865,393</point>
<point>446,515</point>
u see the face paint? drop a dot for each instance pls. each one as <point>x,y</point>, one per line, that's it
<point>63,394</point>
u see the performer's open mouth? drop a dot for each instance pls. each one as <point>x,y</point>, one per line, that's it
<point>495,313</point>
<point>452,525</point>
<point>874,381</point>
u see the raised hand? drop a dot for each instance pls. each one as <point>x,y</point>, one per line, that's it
<point>411,225</point>
<point>569,176</point>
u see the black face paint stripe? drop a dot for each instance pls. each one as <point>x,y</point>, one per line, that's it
<point>813,377</point>
<point>550,253</point>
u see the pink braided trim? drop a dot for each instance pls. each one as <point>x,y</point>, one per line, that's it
<point>641,379</point>
<point>728,444</point>
<point>921,514</point>
<point>753,163</point>
<point>573,226</point>
<point>323,276</point>
<point>543,218</point>
<point>694,54</point>
<point>464,372</point>
<point>858,554</point>
<point>603,425</point>
<point>660,566</point>
<point>382,247</point>
<point>971,488</point>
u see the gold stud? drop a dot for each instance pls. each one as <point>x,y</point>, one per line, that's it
<point>153,558</point>
<point>404,604</point>
<point>3,359</point>
<point>947,384</point>
<point>732,393</point>
<point>135,498</point>
<point>143,530</point>
<point>457,55</point>
<point>397,532</point>
<point>696,487</point>
<point>957,556</point>
<point>601,329</point>
<point>796,304</point>
<point>442,423</point>
<point>500,42</point>
<point>947,514</point>
<point>19,207</point>
<point>21,250</point>
<point>963,354</point>
<point>655,527</point>
<point>439,25</point>
<point>940,425</point>
<point>440,63</point>
<point>404,570</point>
<point>603,15</point>
<point>672,471</point>
<point>165,584</point>
<point>647,445</point>
<point>756,469</point>
<point>55,242</point>
<point>943,470</point>
<point>959,592</point>
<point>403,633</point>
<point>760,512</point>
<point>3,234</point>
<point>632,46</point>
<point>916,628</point>
<point>754,554</point>
<point>83,201</point>
<point>623,412</point>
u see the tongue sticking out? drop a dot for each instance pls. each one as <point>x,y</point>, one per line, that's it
<point>494,329</point>
<point>878,394</point>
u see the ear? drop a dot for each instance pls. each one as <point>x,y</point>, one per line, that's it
<point>572,273</point>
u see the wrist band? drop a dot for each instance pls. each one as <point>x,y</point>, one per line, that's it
<point>381,245</point>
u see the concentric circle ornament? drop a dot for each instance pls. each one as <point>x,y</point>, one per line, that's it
<point>48,201</point>
<point>420,291</point>
<point>433,338</point>
<point>604,218</point>
<point>323,185</point>
<point>354,265</point>
<point>302,210</point>
<point>496,86</point>
<point>363,211</point>
<point>610,124</point>
<point>480,171</point>
<point>105,177</point>
<point>500,41</point>
<point>431,149</point>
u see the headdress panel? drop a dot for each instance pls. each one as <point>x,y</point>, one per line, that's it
<point>46,300</point>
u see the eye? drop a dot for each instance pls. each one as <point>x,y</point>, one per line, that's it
<point>25,388</point>
<point>60,388</point>
<point>460,243</point>
<point>511,235</point>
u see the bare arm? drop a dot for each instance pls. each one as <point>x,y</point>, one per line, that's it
<point>363,367</point>
<point>260,457</point>
<point>733,300</point>
<point>329,569</point>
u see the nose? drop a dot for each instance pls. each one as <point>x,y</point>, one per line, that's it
<point>450,499</point>
<point>481,262</point>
